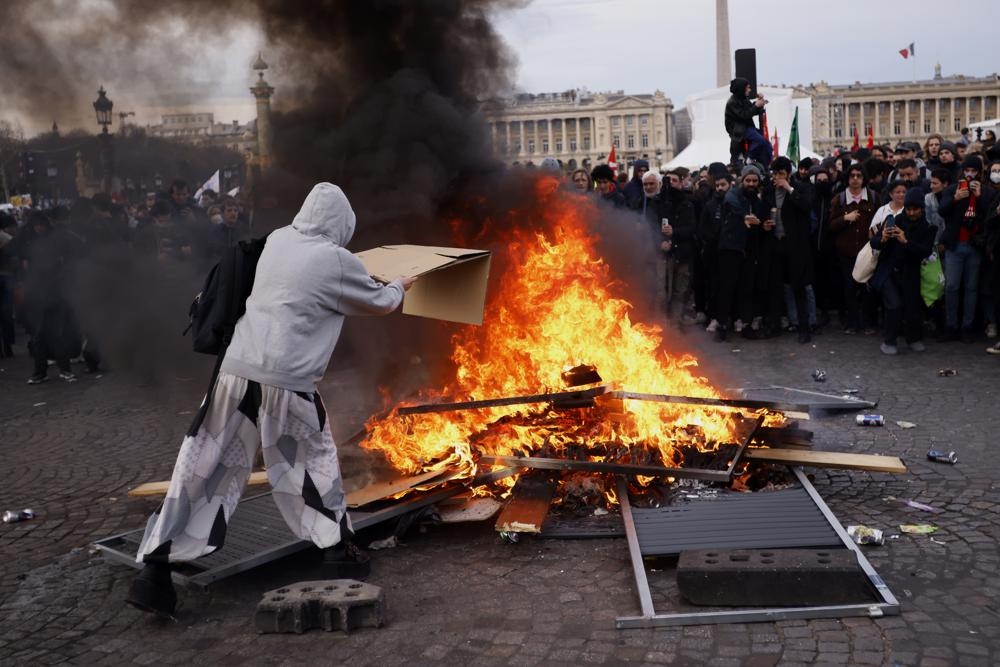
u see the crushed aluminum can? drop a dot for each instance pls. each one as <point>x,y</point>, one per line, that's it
<point>942,456</point>
<point>819,376</point>
<point>865,535</point>
<point>870,420</point>
<point>16,516</point>
<point>947,373</point>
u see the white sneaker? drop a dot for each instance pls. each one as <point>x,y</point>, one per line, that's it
<point>700,318</point>
<point>712,326</point>
<point>918,346</point>
<point>991,330</point>
<point>784,322</point>
<point>993,349</point>
<point>756,323</point>
<point>738,326</point>
<point>888,349</point>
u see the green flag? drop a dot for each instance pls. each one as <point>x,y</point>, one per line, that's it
<point>793,140</point>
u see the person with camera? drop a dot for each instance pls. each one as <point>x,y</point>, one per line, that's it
<point>964,208</point>
<point>903,241</point>
<point>740,112</point>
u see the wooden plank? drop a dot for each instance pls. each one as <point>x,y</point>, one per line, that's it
<point>160,488</point>
<point>387,489</point>
<point>713,402</point>
<point>362,496</point>
<point>602,466</point>
<point>498,402</point>
<point>888,464</point>
<point>529,503</point>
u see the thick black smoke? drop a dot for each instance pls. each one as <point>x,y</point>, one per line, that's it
<point>380,97</point>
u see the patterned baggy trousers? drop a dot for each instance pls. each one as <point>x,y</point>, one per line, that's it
<point>215,460</point>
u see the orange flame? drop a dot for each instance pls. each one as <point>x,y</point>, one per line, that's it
<point>556,306</point>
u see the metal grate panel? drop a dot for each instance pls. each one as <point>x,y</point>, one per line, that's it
<point>785,518</point>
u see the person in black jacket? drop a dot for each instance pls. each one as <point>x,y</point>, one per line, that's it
<point>903,242</point>
<point>964,207</point>
<point>792,207</point>
<point>607,190</point>
<point>709,228</point>
<point>744,214</point>
<point>679,246</point>
<point>740,112</point>
<point>633,189</point>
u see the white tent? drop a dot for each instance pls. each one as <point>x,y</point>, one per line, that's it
<point>709,141</point>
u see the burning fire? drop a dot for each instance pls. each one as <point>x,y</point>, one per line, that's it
<point>555,307</point>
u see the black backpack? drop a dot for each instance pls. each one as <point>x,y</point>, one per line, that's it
<point>223,297</point>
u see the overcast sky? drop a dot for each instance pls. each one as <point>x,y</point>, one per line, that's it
<point>642,45</point>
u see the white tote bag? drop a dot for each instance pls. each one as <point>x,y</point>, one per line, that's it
<point>864,265</point>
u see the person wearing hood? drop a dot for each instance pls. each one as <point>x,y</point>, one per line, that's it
<point>903,242</point>
<point>964,207</point>
<point>740,112</point>
<point>633,189</point>
<point>306,283</point>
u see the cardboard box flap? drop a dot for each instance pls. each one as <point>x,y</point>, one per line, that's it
<point>452,284</point>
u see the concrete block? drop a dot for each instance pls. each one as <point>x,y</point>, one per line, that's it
<point>772,577</point>
<point>336,604</point>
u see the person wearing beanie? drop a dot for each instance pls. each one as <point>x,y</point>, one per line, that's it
<point>739,115</point>
<point>964,208</point>
<point>903,241</point>
<point>678,245</point>
<point>744,215</point>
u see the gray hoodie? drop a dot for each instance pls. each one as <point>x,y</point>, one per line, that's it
<point>306,282</point>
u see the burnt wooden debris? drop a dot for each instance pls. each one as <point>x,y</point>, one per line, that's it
<point>529,503</point>
<point>578,398</point>
<point>842,460</point>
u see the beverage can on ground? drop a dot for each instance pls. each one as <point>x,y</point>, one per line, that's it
<point>14,516</point>
<point>942,456</point>
<point>870,420</point>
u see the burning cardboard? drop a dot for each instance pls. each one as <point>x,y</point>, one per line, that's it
<point>452,285</point>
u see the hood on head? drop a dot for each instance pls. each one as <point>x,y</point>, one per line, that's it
<point>738,85</point>
<point>326,212</point>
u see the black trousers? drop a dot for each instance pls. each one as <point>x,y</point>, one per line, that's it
<point>50,336</point>
<point>6,312</point>
<point>736,287</point>
<point>904,309</point>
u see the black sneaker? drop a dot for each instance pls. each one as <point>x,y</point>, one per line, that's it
<point>804,337</point>
<point>948,336</point>
<point>38,379</point>
<point>749,333</point>
<point>720,334</point>
<point>968,336</point>
<point>347,561</point>
<point>153,591</point>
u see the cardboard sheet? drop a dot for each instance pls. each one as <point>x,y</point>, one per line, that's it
<point>452,284</point>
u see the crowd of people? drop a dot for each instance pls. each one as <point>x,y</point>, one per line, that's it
<point>41,252</point>
<point>762,247</point>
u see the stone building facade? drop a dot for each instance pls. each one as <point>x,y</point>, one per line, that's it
<point>578,127</point>
<point>900,111</point>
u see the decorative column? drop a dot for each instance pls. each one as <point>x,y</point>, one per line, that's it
<point>507,134</point>
<point>906,117</point>
<point>263,91</point>
<point>523,148</point>
<point>723,68</point>
<point>548,126</point>
<point>562,125</point>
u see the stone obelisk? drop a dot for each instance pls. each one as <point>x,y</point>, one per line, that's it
<point>723,55</point>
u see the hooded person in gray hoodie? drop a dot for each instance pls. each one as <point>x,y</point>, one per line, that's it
<point>306,283</point>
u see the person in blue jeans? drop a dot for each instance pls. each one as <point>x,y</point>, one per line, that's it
<point>740,112</point>
<point>964,207</point>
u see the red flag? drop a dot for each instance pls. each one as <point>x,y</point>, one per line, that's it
<point>777,150</point>
<point>763,126</point>
<point>611,160</point>
<point>871,137</point>
<point>857,144</point>
<point>905,53</point>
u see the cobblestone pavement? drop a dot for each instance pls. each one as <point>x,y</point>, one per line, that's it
<point>456,595</point>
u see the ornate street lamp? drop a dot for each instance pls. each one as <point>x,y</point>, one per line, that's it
<point>103,107</point>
